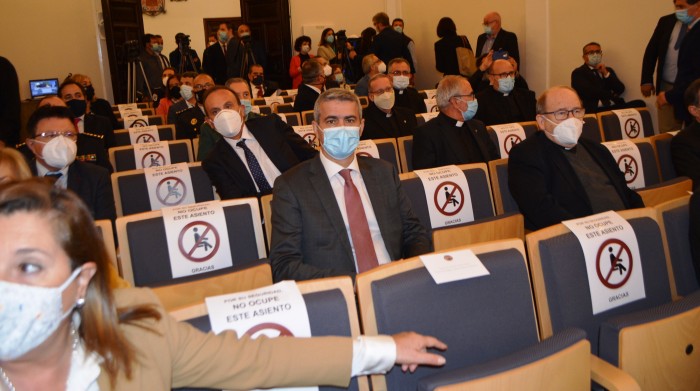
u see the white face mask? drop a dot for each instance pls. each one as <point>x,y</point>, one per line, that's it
<point>186,92</point>
<point>228,123</point>
<point>305,49</point>
<point>60,152</point>
<point>327,70</point>
<point>29,315</point>
<point>385,101</point>
<point>566,133</point>
<point>381,68</point>
<point>401,82</point>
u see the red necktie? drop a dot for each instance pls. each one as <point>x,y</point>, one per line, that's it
<point>76,121</point>
<point>260,92</point>
<point>359,228</point>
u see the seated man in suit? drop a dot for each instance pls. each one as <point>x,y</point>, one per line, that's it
<point>214,57</point>
<point>327,72</point>
<point>597,84</point>
<point>259,85</point>
<point>190,120</point>
<point>188,99</point>
<point>555,175</point>
<point>339,214</point>
<point>453,137</point>
<point>52,140</point>
<point>251,155</point>
<point>371,65</point>
<point>502,103</point>
<point>313,80</point>
<point>685,146</point>
<point>496,39</point>
<point>406,96</point>
<point>73,94</point>
<point>383,118</point>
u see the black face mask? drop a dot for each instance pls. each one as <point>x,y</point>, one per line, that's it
<point>258,80</point>
<point>200,95</point>
<point>77,106</point>
<point>89,92</point>
<point>174,92</point>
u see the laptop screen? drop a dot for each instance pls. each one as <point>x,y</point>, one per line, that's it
<point>40,88</point>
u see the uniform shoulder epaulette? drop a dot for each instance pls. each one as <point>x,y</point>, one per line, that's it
<point>182,111</point>
<point>99,136</point>
<point>20,145</point>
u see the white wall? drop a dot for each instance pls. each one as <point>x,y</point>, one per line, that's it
<point>188,17</point>
<point>47,42</point>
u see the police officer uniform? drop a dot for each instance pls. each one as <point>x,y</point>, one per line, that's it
<point>188,123</point>
<point>91,149</point>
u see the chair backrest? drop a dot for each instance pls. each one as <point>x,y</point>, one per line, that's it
<point>330,304</point>
<point>662,145</point>
<point>140,105</point>
<point>561,287</point>
<point>131,192</point>
<point>195,148</point>
<point>405,145</point>
<point>165,132</point>
<point>146,111</point>
<point>293,118</point>
<point>591,128</point>
<point>122,158</point>
<point>479,318</point>
<point>499,227</point>
<point>479,190</point>
<point>502,199</point>
<point>665,191</point>
<point>266,207</point>
<point>107,232</point>
<point>651,166</point>
<point>530,128</point>
<point>284,108</point>
<point>152,120</point>
<point>264,109</point>
<point>258,102</point>
<point>145,260</point>
<point>610,124</point>
<point>307,117</point>
<point>388,151</point>
<point>674,220</point>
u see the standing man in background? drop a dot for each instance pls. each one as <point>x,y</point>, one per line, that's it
<point>497,39</point>
<point>214,62</point>
<point>9,104</point>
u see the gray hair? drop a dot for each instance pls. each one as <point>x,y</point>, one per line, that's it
<point>310,70</point>
<point>336,94</point>
<point>447,88</point>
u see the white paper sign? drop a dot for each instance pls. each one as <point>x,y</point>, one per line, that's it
<point>135,121</point>
<point>673,133</point>
<point>431,105</point>
<point>169,186</point>
<point>292,92</point>
<point>367,148</point>
<point>273,101</point>
<point>453,266</point>
<point>447,194</point>
<point>430,93</point>
<point>144,135</point>
<point>152,154</point>
<point>630,123</point>
<point>197,238</point>
<point>629,161</point>
<point>428,116</point>
<point>613,263</point>
<point>307,133</point>
<point>274,311</point>
<point>255,109</point>
<point>128,108</point>
<point>508,136</point>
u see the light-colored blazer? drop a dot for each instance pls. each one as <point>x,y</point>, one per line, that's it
<point>176,354</point>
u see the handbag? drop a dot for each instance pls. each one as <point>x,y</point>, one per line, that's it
<point>465,59</point>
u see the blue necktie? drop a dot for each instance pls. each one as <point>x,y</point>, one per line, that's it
<point>254,168</point>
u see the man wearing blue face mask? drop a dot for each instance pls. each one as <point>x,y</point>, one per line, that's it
<point>502,103</point>
<point>340,214</point>
<point>454,136</point>
<point>554,175</point>
<point>214,56</point>
<point>497,39</point>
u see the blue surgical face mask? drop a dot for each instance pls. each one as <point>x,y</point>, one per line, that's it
<point>247,105</point>
<point>487,29</point>
<point>341,142</point>
<point>683,17</point>
<point>506,85</point>
<point>472,107</point>
<point>223,35</point>
<point>330,39</point>
<point>398,29</point>
<point>594,59</point>
<point>156,48</point>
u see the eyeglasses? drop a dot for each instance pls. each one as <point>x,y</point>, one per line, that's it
<point>594,52</point>
<point>401,73</point>
<point>467,97</point>
<point>561,115</point>
<point>379,92</point>
<point>503,75</point>
<point>45,136</point>
<point>203,86</point>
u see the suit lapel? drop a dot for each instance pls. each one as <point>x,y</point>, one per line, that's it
<point>274,152</point>
<point>566,171</point>
<point>322,187</point>
<point>235,165</point>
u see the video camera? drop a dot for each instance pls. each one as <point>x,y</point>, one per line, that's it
<point>341,37</point>
<point>183,41</point>
<point>132,50</point>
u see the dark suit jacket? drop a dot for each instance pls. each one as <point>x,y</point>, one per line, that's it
<point>214,63</point>
<point>591,88</point>
<point>401,123</point>
<point>306,98</point>
<point>410,99</point>
<point>655,53</point>
<point>235,55</point>
<point>439,142</point>
<point>446,54</point>
<point>97,124</point>
<point>505,40</point>
<point>546,187</point>
<point>91,148</point>
<point>92,184</point>
<point>188,123</point>
<point>685,150</point>
<point>495,108</point>
<point>688,71</point>
<point>174,110</point>
<point>284,148</point>
<point>388,45</point>
<point>10,111</point>
<point>269,88</point>
<point>309,239</point>
<point>104,108</point>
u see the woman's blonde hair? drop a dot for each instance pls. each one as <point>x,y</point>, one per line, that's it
<point>17,163</point>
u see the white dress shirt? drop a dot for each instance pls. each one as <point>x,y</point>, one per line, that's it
<point>268,167</point>
<point>61,182</point>
<point>338,185</point>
